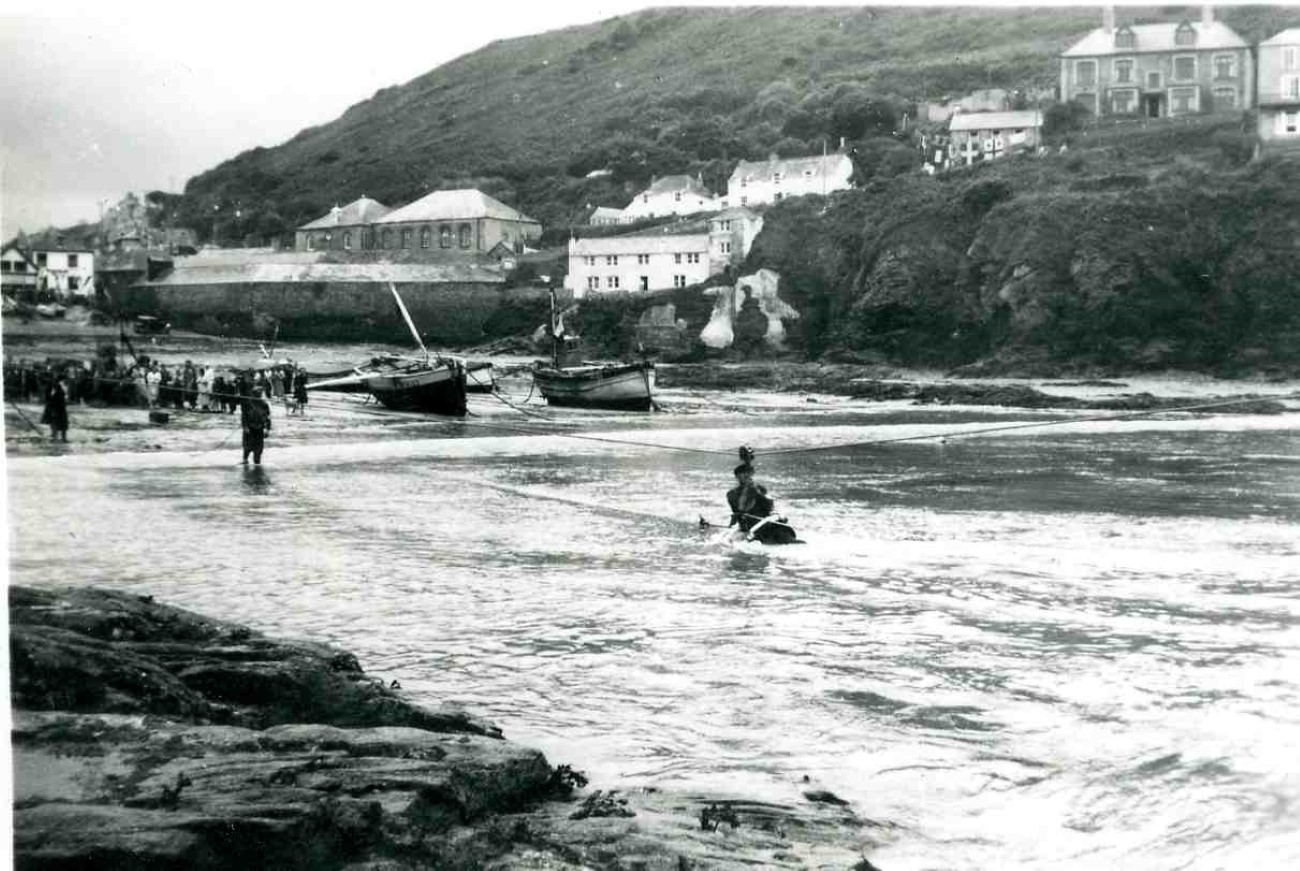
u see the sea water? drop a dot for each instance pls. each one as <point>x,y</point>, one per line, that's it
<point>1071,646</point>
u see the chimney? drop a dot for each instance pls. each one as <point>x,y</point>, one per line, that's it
<point>1207,14</point>
<point>1108,19</point>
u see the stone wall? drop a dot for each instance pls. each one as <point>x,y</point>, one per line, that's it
<point>452,313</point>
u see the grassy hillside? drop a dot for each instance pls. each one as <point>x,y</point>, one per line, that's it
<point>665,90</point>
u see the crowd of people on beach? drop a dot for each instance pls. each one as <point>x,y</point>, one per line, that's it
<point>146,383</point>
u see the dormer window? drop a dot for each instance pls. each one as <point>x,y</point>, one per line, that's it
<point>1125,38</point>
<point>1185,34</point>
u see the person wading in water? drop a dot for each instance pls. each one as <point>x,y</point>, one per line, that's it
<point>257,423</point>
<point>750,506</point>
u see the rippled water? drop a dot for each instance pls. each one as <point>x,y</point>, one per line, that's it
<point>1067,647</point>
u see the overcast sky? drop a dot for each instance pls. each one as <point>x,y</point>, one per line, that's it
<point>101,98</point>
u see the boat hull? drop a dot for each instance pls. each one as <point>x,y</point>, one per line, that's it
<point>620,387</point>
<point>438,390</point>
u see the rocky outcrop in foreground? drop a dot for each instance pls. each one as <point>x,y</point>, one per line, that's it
<point>148,737</point>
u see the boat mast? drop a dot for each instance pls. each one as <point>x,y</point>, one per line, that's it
<point>409,323</point>
<point>555,339</point>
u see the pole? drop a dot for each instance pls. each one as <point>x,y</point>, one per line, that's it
<point>555,341</point>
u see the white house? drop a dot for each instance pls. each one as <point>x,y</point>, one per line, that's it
<point>986,135</point>
<point>63,270</point>
<point>1279,91</point>
<point>774,179</point>
<point>731,234</point>
<point>603,216</point>
<point>637,263</point>
<point>671,195</point>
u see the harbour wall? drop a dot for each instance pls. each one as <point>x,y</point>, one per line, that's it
<point>445,313</point>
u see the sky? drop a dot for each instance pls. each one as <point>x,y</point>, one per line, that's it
<point>99,99</point>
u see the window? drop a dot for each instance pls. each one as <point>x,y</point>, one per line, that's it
<point>40,259</point>
<point>776,197</point>
<point>590,261</point>
<point>593,282</point>
<point>328,239</point>
<point>347,239</point>
<point>466,233</point>
<point>677,258</point>
<point>744,200</point>
<point>726,225</point>
<point>612,281</point>
<point>1125,38</point>
<point>611,260</point>
<point>1289,58</point>
<point>1225,98</point>
<point>776,178</point>
<point>20,266</point>
<point>426,237</point>
<point>1185,34</point>
<point>1185,68</point>
<point>1183,100</point>
<point>1291,87</point>
<point>744,182</point>
<point>1153,80</point>
<point>1123,100</point>
<point>407,236</point>
<point>677,197</point>
<point>1288,124</point>
<point>1124,71</point>
<point>1085,73</point>
<point>642,259</point>
<point>693,258</point>
<point>388,238</point>
<point>645,282</point>
<point>444,236</point>
<point>72,261</point>
<point>645,198</point>
<point>726,247</point>
<point>1225,66</point>
<point>807,174</point>
<point>679,281</point>
<point>73,282</point>
<point>4,266</point>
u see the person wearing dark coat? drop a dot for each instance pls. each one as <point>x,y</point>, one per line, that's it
<point>300,387</point>
<point>257,423</point>
<point>56,411</point>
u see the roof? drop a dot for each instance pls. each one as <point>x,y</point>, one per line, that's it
<point>995,120</point>
<point>763,170</point>
<point>656,244</point>
<point>360,211</point>
<point>673,183</point>
<point>454,206</point>
<point>188,273</point>
<point>1156,37</point>
<point>735,213</point>
<point>42,245</point>
<point>605,212</point>
<point>1290,36</point>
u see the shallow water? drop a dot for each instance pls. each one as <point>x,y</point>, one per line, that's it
<point>1076,646</point>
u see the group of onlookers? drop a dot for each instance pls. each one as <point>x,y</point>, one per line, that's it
<point>147,383</point>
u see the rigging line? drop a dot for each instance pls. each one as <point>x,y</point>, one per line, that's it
<point>1033,424</point>
<point>34,427</point>
<point>592,438</point>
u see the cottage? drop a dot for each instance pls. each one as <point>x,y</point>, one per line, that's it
<point>1159,70</point>
<point>772,180</point>
<point>602,216</point>
<point>63,270</point>
<point>467,221</point>
<point>348,228</point>
<point>670,195</point>
<point>731,235</point>
<point>17,272</point>
<point>639,262</point>
<point>1279,91</point>
<point>986,135</point>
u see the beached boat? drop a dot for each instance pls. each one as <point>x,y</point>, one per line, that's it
<point>431,383</point>
<point>623,386</point>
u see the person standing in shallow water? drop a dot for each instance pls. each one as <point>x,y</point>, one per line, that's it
<point>748,500</point>
<point>257,423</point>
<point>56,410</point>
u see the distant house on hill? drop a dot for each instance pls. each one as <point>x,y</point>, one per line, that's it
<point>638,262</point>
<point>347,228</point>
<point>770,181</point>
<point>670,195</point>
<point>1279,91</point>
<point>1159,70</point>
<point>603,216</point>
<point>461,220</point>
<point>986,135</point>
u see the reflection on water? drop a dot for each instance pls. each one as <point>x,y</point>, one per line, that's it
<point>1074,646</point>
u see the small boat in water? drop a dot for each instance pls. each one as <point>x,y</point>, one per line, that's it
<point>431,383</point>
<point>622,386</point>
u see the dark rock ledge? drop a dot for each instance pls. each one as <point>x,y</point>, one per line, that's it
<point>148,737</point>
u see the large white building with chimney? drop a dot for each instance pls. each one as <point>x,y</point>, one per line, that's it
<point>763,182</point>
<point>1159,70</point>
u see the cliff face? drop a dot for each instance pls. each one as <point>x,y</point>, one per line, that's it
<point>1044,262</point>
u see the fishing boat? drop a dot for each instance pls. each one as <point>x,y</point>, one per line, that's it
<point>432,383</point>
<point>624,386</point>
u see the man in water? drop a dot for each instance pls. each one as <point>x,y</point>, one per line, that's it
<point>750,506</point>
<point>257,423</point>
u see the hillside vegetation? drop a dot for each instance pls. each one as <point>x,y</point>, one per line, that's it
<point>662,91</point>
